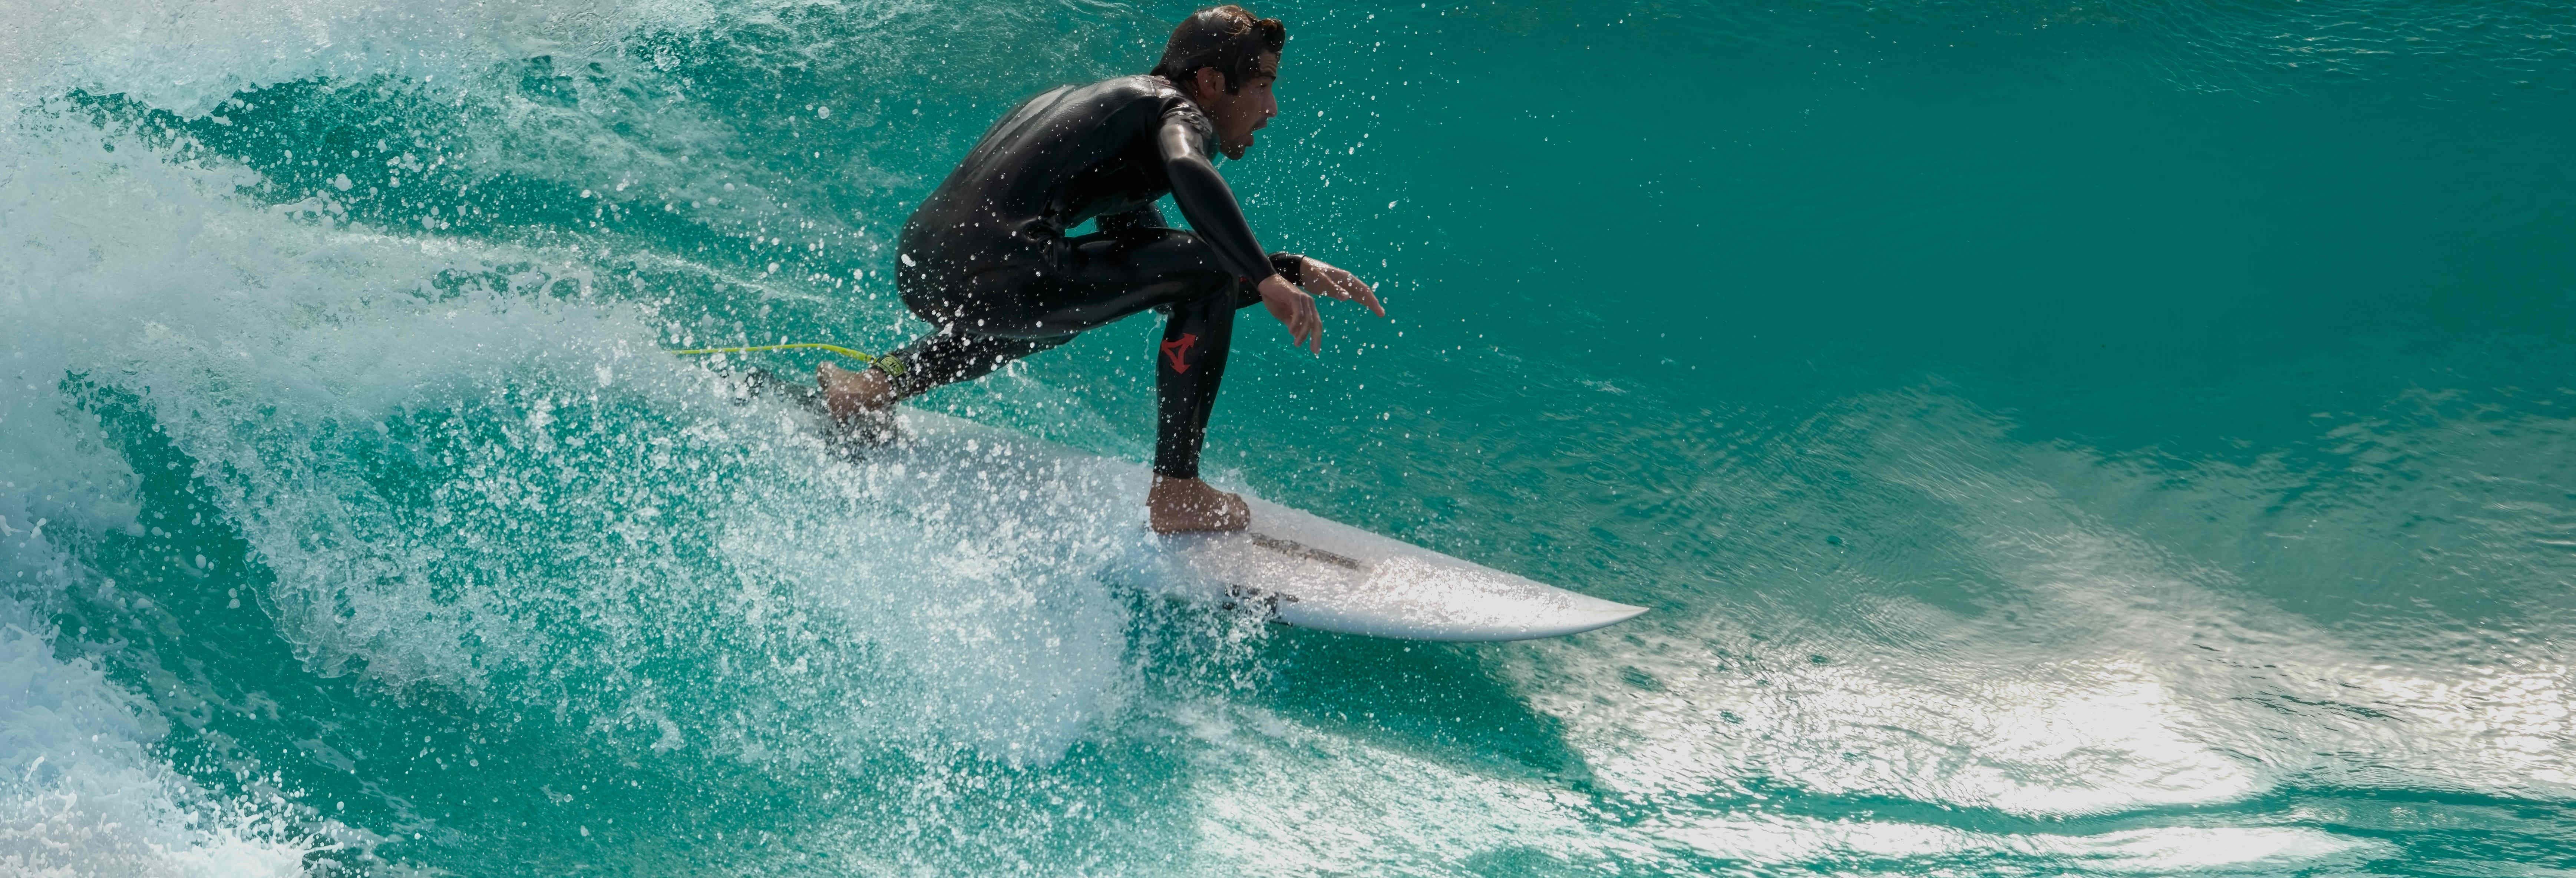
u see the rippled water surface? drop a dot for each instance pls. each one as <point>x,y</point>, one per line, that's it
<point>2118,438</point>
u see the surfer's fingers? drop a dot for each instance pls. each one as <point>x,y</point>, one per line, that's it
<point>1348,287</point>
<point>1299,324</point>
<point>1341,285</point>
<point>1361,295</point>
<point>1368,297</point>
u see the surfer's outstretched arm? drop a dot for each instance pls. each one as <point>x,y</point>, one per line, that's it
<point>1205,199</point>
<point>1212,211</point>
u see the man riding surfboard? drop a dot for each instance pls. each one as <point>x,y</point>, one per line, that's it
<point>986,261</point>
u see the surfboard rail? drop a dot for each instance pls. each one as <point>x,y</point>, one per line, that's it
<point>1308,571</point>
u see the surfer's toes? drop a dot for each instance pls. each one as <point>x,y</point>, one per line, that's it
<point>1185,506</point>
<point>1205,522</point>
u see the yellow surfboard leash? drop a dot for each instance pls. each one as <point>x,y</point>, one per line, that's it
<point>860,356</point>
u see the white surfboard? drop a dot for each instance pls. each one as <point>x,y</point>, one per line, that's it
<point>1291,566</point>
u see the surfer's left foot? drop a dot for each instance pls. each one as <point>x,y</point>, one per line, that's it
<point>1185,505</point>
<point>861,403</point>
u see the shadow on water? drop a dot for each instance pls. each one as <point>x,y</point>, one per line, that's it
<point>1434,700</point>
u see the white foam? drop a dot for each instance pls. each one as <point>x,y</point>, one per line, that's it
<point>277,352</point>
<point>1774,838</point>
<point>79,792</point>
<point>2075,688</point>
<point>1278,797</point>
<point>991,600</point>
<point>188,57</point>
<point>80,795</point>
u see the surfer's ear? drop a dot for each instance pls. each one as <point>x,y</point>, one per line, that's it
<point>1210,82</point>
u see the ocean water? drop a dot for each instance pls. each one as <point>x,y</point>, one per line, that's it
<point>2132,437</point>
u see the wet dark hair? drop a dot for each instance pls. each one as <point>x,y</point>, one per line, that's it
<point>1224,37</point>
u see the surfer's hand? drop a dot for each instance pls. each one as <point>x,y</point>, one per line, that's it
<point>1295,310</point>
<point>1324,278</point>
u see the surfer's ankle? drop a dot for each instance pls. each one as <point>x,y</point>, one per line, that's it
<point>1185,505</point>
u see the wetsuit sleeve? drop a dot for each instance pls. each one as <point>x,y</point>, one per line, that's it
<point>1205,200</point>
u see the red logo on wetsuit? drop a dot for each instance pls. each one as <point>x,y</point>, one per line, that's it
<point>1172,350</point>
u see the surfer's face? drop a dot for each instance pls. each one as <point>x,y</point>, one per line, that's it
<point>1239,114</point>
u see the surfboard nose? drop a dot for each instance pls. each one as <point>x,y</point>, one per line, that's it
<point>1571,621</point>
<point>1585,612</point>
<point>1618,613</point>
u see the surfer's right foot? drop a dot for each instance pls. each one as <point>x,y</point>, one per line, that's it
<point>1185,505</point>
<point>860,403</point>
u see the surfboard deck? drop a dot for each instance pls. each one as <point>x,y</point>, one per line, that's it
<point>1290,566</point>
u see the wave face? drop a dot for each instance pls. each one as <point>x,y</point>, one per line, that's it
<point>2124,438</point>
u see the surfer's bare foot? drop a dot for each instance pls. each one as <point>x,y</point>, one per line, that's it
<point>861,403</point>
<point>1183,505</point>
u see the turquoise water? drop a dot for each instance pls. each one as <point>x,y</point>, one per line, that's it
<point>2126,438</point>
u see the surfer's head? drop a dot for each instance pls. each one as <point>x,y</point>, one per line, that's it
<point>1225,60</point>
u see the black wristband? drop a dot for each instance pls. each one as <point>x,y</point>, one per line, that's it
<point>1290,266</point>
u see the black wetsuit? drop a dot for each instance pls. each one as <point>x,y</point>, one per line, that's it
<point>985,259</point>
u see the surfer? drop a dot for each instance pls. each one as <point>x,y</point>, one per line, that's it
<point>985,259</point>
